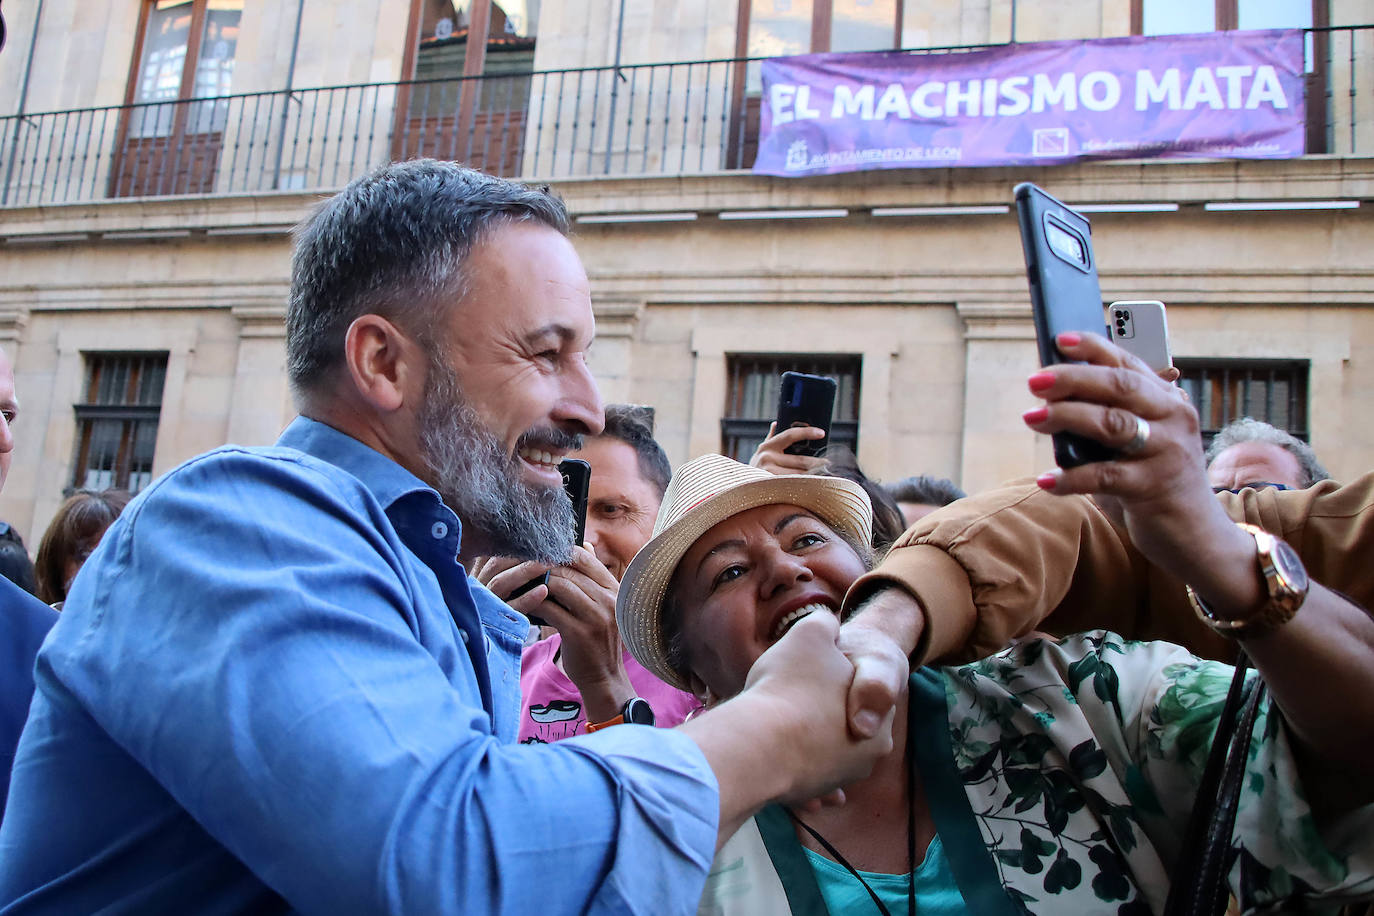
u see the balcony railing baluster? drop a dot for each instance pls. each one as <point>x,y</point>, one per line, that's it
<point>680,117</point>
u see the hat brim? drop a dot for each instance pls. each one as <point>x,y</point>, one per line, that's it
<point>840,503</point>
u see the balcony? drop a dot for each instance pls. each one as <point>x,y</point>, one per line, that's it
<point>666,119</point>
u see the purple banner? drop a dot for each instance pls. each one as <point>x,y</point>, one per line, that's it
<point>1232,95</point>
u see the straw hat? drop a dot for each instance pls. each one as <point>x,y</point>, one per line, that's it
<point>703,493</point>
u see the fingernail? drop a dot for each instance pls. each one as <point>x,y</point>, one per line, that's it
<point>1069,339</point>
<point>1041,380</point>
<point>1035,415</point>
<point>1047,480</point>
<point>866,722</point>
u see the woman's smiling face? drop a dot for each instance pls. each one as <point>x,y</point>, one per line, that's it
<point>745,581</point>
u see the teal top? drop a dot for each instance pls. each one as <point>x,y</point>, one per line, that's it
<point>936,892</point>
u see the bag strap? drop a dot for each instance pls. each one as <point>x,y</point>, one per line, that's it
<point>1199,883</point>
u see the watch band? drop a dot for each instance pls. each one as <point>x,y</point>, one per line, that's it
<point>636,711</point>
<point>1285,583</point>
<point>597,726</point>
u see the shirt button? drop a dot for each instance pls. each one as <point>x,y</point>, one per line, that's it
<point>440,531</point>
<point>461,632</point>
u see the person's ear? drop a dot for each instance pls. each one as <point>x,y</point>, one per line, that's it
<point>385,366</point>
<point>701,691</point>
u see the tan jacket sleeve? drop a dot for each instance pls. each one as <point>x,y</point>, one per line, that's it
<point>994,566</point>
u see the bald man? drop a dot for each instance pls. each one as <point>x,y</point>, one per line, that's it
<point>24,620</point>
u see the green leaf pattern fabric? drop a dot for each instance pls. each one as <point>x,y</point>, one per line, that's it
<point>1080,759</point>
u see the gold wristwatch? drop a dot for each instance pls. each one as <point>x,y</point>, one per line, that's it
<point>1285,579</point>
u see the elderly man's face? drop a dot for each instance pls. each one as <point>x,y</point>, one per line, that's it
<point>621,504</point>
<point>510,394</point>
<point>9,409</point>
<point>1254,462</point>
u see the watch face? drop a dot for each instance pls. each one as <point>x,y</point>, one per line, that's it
<point>1288,564</point>
<point>639,712</point>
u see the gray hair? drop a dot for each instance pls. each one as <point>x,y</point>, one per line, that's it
<point>393,243</point>
<point>1248,429</point>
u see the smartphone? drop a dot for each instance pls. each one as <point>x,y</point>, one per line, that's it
<point>1065,296</point>
<point>806,400</point>
<point>577,477</point>
<point>1140,328</point>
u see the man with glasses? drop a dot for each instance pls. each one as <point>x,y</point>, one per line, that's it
<point>1251,453</point>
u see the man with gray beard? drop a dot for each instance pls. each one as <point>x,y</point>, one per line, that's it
<point>274,688</point>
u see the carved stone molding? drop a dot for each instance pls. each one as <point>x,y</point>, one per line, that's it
<point>260,320</point>
<point>616,317</point>
<point>996,321</point>
<point>12,324</point>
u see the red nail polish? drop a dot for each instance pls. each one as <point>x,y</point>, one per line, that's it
<point>1041,380</point>
<point>1036,415</point>
<point>1070,338</point>
<point>1046,481</point>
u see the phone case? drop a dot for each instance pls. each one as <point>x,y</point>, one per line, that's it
<point>1141,328</point>
<point>806,400</point>
<point>577,476</point>
<point>1065,296</point>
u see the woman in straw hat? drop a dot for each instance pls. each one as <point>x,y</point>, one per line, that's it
<point>1059,775</point>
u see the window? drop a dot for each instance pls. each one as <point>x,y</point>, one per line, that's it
<point>469,98</point>
<point>751,397</point>
<point>168,145</point>
<point>774,28</point>
<point>116,423</point>
<point>1223,390</point>
<point>1172,17</point>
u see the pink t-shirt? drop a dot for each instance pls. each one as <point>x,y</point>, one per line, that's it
<point>551,707</point>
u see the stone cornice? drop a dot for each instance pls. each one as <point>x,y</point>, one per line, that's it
<point>260,320</point>
<point>272,214</point>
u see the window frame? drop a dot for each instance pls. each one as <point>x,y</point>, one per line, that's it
<point>743,137</point>
<point>1297,372</point>
<point>133,414</point>
<point>842,431</point>
<point>1228,19</point>
<point>209,142</point>
<point>469,121</point>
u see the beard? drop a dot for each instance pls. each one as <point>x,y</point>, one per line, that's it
<point>483,485</point>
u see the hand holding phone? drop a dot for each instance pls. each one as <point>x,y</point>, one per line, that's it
<point>1065,296</point>
<point>806,400</point>
<point>577,475</point>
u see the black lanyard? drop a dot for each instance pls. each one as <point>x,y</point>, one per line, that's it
<point>910,839</point>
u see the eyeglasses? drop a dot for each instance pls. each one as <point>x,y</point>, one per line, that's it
<point>1257,485</point>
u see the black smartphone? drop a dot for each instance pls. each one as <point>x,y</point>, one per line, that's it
<point>1065,296</point>
<point>806,400</point>
<point>577,477</point>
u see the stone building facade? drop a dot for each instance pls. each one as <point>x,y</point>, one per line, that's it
<point>912,278</point>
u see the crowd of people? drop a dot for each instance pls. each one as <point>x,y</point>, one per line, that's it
<point>303,678</point>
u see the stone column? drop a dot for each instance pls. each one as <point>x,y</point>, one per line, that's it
<point>260,405</point>
<point>1000,353</point>
<point>611,355</point>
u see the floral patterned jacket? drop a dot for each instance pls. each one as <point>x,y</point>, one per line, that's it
<point>1061,775</point>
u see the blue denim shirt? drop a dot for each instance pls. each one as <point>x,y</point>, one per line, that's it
<point>273,688</point>
<point>24,621</point>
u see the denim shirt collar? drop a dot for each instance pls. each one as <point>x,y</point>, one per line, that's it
<point>387,480</point>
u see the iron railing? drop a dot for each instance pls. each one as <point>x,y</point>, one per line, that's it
<point>647,119</point>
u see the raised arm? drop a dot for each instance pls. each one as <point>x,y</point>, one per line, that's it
<point>1159,486</point>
